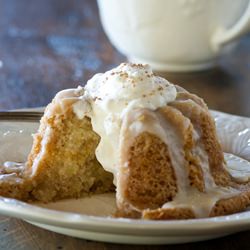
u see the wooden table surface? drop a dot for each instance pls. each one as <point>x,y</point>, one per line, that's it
<point>49,45</point>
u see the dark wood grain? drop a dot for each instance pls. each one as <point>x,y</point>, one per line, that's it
<point>49,45</point>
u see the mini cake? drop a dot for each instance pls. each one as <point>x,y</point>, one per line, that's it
<point>152,140</point>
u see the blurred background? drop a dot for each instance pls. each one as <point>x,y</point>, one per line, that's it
<point>49,45</point>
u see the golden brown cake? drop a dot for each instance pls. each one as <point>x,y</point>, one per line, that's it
<point>179,173</point>
<point>154,140</point>
<point>62,162</point>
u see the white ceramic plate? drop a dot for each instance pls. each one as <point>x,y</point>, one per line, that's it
<point>89,218</point>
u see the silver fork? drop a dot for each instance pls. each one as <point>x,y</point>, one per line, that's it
<point>21,115</point>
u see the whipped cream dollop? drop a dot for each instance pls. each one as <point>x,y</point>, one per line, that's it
<point>129,86</point>
<point>113,94</point>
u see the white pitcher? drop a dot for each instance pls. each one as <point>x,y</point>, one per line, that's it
<point>174,35</point>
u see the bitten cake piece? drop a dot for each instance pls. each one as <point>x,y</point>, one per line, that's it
<point>154,140</point>
<point>62,162</point>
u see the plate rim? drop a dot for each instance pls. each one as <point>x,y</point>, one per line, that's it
<point>29,212</point>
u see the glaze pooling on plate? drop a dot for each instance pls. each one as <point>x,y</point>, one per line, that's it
<point>238,167</point>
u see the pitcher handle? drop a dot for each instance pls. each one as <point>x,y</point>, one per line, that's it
<point>241,27</point>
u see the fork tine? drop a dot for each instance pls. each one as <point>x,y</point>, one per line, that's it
<point>20,115</point>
